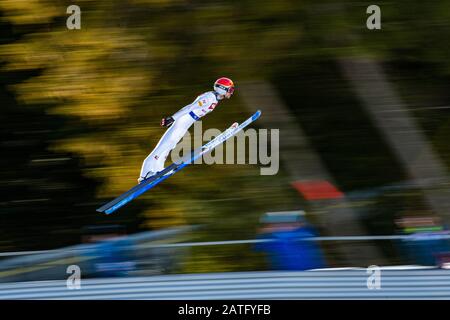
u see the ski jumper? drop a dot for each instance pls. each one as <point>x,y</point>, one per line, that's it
<point>184,119</point>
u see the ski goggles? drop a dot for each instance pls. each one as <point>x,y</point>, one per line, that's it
<point>229,90</point>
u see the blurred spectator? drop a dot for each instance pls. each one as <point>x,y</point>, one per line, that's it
<point>424,246</point>
<point>288,250</point>
<point>112,254</point>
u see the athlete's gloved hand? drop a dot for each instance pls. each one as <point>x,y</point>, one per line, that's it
<point>167,122</point>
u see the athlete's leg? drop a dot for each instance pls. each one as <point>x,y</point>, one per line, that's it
<point>156,159</point>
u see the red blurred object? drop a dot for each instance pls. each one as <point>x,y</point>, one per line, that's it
<point>317,190</point>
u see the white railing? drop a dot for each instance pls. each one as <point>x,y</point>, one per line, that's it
<point>351,283</point>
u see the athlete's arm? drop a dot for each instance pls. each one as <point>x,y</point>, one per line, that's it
<point>183,111</point>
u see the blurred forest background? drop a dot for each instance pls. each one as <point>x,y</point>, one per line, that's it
<point>80,110</point>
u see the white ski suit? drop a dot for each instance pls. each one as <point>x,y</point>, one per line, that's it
<point>184,119</point>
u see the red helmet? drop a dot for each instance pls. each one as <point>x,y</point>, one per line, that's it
<point>224,85</point>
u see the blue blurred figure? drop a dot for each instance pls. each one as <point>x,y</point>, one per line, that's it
<point>111,255</point>
<point>288,250</point>
<point>424,246</point>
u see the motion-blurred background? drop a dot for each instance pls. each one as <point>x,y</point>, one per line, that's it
<point>363,118</point>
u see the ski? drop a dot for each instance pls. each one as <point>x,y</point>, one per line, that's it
<point>149,183</point>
